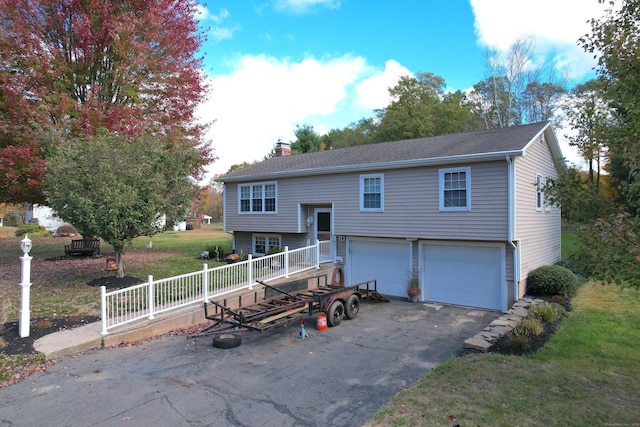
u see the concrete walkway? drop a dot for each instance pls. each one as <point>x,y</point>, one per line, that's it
<point>72,341</point>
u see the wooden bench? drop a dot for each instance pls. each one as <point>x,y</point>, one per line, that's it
<point>82,247</point>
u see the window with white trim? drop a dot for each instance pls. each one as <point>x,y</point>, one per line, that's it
<point>257,198</point>
<point>263,242</point>
<point>455,189</point>
<point>540,184</point>
<point>372,193</point>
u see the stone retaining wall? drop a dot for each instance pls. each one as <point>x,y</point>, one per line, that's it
<point>483,340</point>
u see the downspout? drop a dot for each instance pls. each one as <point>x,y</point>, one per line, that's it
<point>224,207</point>
<point>511,224</point>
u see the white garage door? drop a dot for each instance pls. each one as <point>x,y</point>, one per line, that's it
<point>387,261</point>
<point>469,275</point>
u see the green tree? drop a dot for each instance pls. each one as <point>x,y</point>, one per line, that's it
<point>615,41</point>
<point>358,133</point>
<point>110,188</point>
<point>421,108</point>
<point>572,192</point>
<point>541,101</point>
<point>307,140</point>
<point>589,116</point>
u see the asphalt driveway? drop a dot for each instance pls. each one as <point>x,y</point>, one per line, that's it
<point>338,377</point>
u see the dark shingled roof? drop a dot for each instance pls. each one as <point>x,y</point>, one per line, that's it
<point>437,149</point>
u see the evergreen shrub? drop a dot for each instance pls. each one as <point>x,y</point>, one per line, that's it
<point>552,280</point>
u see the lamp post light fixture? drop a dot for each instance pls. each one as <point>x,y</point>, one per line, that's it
<point>25,287</point>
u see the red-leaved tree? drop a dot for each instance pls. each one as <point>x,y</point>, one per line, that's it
<point>73,68</point>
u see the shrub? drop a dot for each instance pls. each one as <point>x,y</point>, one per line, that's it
<point>560,300</point>
<point>217,252</point>
<point>66,230</point>
<point>543,312</point>
<point>552,280</point>
<point>608,250</point>
<point>548,311</point>
<point>528,327</point>
<point>32,229</point>
<point>518,342</point>
<point>274,250</point>
<point>12,220</point>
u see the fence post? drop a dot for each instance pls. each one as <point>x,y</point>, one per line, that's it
<point>103,310</point>
<point>150,302</point>
<point>286,261</point>
<point>318,254</point>
<point>334,248</point>
<point>205,282</point>
<point>249,270</point>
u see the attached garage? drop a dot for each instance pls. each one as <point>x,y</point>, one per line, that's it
<point>386,260</point>
<point>470,274</point>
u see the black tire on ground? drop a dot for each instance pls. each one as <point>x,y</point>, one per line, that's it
<point>352,307</point>
<point>227,341</point>
<point>335,314</point>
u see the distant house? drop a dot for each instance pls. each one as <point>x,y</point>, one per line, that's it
<point>464,211</point>
<point>45,216</point>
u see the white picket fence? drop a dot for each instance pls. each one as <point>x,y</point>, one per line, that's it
<point>148,299</point>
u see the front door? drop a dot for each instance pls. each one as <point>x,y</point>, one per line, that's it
<point>323,224</point>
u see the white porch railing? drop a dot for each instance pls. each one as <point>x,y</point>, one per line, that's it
<point>145,300</point>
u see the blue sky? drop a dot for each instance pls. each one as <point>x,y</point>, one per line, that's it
<point>275,64</point>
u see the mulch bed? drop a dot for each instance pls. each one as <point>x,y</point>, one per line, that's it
<point>535,343</point>
<point>115,283</point>
<point>11,343</point>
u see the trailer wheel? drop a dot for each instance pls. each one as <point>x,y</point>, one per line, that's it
<point>352,307</point>
<point>335,314</point>
<point>227,341</point>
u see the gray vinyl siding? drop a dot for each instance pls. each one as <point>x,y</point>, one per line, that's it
<point>244,241</point>
<point>411,208</point>
<point>538,231</point>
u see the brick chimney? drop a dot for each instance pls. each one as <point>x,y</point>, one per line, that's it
<point>283,149</point>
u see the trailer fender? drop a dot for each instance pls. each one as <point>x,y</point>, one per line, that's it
<point>338,277</point>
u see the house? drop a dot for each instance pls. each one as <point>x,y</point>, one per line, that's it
<point>45,216</point>
<point>465,212</point>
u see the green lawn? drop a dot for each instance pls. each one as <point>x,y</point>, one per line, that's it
<point>60,285</point>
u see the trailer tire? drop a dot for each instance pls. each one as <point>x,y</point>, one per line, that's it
<point>335,314</point>
<point>227,341</point>
<point>352,307</point>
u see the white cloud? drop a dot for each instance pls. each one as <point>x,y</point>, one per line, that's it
<point>556,26</point>
<point>218,32</point>
<point>304,6</point>
<point>224,14</point>
<point>373,92</point>
<point>264,98</point>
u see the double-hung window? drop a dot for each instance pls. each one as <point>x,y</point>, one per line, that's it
<point>262,243</point>
<point>541,203</point>
<point>257,198</point>
<point>372,193</point>
<point>455,189</point>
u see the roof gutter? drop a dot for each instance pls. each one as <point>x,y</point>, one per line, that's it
<point>467,158</point>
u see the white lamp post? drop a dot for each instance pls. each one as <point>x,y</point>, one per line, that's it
<point>25,287</point>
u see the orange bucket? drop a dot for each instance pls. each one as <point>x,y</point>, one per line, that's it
<point>321,323</point>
